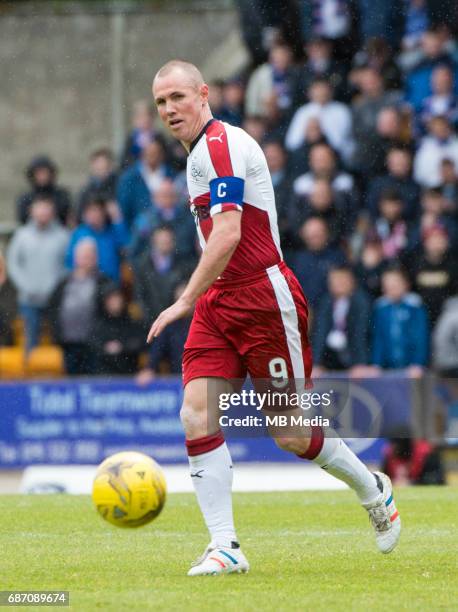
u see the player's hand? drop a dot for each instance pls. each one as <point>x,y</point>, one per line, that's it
<point>176,311</point>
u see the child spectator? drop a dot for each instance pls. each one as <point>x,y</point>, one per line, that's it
<point>102,221</point>
<point>116,339</point>
<point>36,264</point>
<point>371,266</point>
<point>400,326</point>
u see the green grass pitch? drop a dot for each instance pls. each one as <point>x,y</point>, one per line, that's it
<point>308,551</point>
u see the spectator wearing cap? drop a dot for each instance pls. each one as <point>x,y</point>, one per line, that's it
<point>101,181</point>
<point>36,264</point>
<point>313,261</point>
<point>433,270</point>
<point>74,307</point>
<point>341,324</point>
<point>400,326</point>
<point>41,173</point>
<point>398,178</point>
<point>334,117</point>
<point>102,221</point>
<point>439,143</point>
<point>116,339</point>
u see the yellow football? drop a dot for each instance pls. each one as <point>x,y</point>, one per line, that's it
<point>129,489</point>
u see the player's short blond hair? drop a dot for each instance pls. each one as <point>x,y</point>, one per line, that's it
<point>187,68</point>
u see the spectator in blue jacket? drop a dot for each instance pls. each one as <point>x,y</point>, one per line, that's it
<point>103,222</point>
<point>434,54</point>
<point>400,325</point>
<point>138,184</point>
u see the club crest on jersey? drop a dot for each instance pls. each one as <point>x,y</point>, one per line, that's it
<point>195,171</point>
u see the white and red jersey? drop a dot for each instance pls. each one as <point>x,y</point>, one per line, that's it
<point>227,170</point>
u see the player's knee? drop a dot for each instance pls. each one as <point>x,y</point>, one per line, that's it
<point>298,445</point>
<point>193,415</point>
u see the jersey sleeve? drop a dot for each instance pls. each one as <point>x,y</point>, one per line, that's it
<point>226,169</point>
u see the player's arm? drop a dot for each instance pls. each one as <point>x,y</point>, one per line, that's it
<point>221,244</point>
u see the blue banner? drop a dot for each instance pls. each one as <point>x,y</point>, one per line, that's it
<point>83,421</point>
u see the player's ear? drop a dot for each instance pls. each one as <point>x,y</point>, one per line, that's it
<point>204,93</point>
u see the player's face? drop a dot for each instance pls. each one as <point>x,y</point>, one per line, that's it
<point>180,104</point>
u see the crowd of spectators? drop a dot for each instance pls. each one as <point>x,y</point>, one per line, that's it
<point>358,120</point>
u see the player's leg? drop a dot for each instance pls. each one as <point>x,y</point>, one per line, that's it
<point>287,320</point>
<point>208,361</point>
<point>211,473</point>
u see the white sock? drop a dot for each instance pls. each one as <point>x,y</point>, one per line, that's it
<point>211,475</point>
<point>336,458</point>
